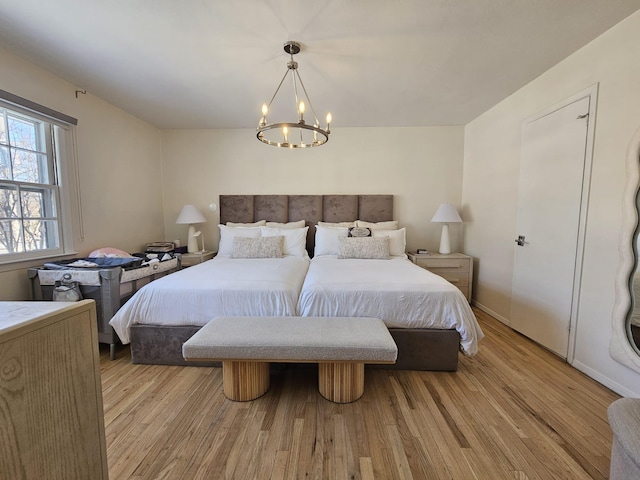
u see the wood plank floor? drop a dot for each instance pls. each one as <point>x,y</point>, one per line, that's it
<point>514,411</point>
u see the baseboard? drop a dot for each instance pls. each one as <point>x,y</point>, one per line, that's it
<point>607,382</point>
<point>487,310</point>
<point>590,372</point>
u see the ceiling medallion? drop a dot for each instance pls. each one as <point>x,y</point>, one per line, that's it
<point>298,134</point>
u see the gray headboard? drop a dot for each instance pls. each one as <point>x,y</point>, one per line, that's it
<point>310,208</point>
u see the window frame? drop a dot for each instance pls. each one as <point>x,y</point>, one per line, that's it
<point>58,136</point>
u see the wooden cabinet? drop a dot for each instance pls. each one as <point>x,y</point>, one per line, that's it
<point>51,416</point>
<point>457,268</point>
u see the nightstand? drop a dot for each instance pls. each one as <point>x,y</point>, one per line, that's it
<point>456,268</point>
<point>190,259</point>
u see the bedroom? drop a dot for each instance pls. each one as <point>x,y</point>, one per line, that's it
<point>138,176</point>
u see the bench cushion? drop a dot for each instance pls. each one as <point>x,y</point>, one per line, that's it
<point>293,339</point>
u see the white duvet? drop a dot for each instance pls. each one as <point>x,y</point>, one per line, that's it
<point>219,287</point>
<point>396,291</point>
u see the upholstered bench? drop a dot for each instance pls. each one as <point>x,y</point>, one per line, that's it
<point>245,345</point>
<point>624,419</point>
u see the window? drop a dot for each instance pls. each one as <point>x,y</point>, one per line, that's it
<point>30,196</point>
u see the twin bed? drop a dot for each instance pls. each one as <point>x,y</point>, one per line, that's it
<point>429,318</point>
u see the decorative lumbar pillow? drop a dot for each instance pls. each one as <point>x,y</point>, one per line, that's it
<point>260,247</point>
<point>397,240</point>
<point>391,225</point>
<point>227,234</point>
<point>327,240</point>
<point>359,232</point>
<point>295,239</point>
<point>260,223</point>
<point>298,224</point>
<point>364,247</point>
<point>337,224</point>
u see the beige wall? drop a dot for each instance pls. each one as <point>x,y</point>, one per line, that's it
<point>119,168</point>
<point>421,167</point>
<point>492,152</point>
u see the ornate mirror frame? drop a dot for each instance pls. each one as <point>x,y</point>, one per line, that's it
<point>620,347</point>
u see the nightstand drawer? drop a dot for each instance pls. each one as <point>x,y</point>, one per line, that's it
<point>460,279</point>
<point>190,259</point>
<point>444,264</point>
<point>456,268</point>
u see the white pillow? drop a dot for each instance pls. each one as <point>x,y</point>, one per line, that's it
<point>295,239</point>
<point>298,224</point>
<point>364,247</point>
<point>260,223</point>
<point>227,234</point>
<point>338,224</point>
<point>391,225</point>
<point>327,240</point>
<point>397,240</point>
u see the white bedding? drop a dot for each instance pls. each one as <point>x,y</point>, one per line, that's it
<point>396,291</point>
<point>219,287</point>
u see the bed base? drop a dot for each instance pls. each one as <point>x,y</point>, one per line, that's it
<point>418,349</point>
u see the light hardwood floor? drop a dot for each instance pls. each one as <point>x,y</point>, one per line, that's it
<point>514,411</point>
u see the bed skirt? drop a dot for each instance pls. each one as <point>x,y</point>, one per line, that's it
<point>418,349</point>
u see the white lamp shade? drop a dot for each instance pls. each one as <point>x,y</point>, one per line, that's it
<point>446,213</point>
<point>190,214</point>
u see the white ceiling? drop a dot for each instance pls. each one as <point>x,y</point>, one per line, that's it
<point>212,63</point>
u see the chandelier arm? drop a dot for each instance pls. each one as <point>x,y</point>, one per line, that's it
<point>308,99</point>
<point>295,88</point>
<point>278,89</point>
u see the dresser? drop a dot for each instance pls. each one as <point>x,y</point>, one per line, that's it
<point>51,416</point>
<point>457,268</point>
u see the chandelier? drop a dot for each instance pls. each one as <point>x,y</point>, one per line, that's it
<point>298,134</point>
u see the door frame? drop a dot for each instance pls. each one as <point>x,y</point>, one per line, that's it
<point>590,92</point>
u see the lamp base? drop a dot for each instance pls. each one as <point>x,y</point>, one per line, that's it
<point>445,244</point>
<point>192,241</point>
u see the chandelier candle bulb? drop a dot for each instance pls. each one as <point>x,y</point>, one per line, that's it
<point>301,110</point>
<point>265,110</point>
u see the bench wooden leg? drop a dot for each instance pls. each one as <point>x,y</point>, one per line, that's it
<point>244,381</point>
<point>341,382</point>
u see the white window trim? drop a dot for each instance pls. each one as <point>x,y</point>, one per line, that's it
<point>67,179</point>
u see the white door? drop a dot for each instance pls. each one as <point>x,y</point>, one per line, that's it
<point>549,203</point>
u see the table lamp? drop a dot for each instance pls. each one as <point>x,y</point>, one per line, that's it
<point>190,215</point>
<point>446,214</point>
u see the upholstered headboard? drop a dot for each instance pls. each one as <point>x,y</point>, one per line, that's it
<point>310,208</point>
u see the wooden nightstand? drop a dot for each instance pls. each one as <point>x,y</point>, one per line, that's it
<point>457,268</point>
<point>190,259</point>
